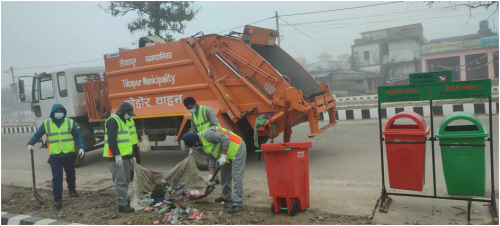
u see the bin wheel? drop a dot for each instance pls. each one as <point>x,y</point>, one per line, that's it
<point>272,208</point>
<point>294,209</point>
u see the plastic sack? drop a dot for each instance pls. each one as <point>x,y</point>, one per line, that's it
<point>144,146</point>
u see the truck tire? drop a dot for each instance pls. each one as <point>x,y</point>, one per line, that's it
<point>200,158</point>
<point>78,160</point>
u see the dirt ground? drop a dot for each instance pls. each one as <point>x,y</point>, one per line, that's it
<point>99,207</point>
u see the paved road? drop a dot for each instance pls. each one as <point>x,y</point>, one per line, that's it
<point>345,175</point>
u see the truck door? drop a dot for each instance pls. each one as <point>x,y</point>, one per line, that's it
<point>43,96</point>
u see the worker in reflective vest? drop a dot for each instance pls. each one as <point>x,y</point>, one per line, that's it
<point>61,134</point>
<point>231,152</point>
<point>118,152</point>
<point>202,117</point>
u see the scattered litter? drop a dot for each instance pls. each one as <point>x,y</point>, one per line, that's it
<point>156,222</point>
<point>150,209</point>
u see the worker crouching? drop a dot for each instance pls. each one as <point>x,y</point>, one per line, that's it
<point>230,150</point>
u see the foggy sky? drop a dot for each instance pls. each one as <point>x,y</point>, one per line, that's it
<point>49,33</point>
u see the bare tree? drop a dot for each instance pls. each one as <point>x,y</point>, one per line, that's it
<point>470,5</point>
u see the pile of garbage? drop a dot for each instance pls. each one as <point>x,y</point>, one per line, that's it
<point>162,193</point>
<point>164,200</point>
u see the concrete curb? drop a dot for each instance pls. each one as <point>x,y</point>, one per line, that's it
<point>15,117</point>
<point>15,219</point>
<point>19,129</point>
<point>372,113</point>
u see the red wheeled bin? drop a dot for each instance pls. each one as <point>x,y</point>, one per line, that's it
<point>287,167</point>
<point>405,146</point>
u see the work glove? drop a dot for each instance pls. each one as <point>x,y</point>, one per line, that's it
<point>191,151</point>
<point>209,179</point>
<point>81,152</point>
<point>222,160</point>
<point>133,159</point>
<point>118,160</point>
<point>30,147</point>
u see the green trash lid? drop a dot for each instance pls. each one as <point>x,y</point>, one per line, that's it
<point>461,131</point>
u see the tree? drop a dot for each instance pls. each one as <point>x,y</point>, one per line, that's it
<point>470,5</point>
<point>158,18</point>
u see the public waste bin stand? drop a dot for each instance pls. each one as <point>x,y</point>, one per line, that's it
<point>287,167</point>
<point>463,155</point>
<point>405,145</point>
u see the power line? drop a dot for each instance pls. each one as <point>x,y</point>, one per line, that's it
<point>487,18</point>
<point>309,36</point>
<point>291,46</point>
<point>333,10</point>
<point>296,14</point>
<point>60,64</point>
<point>245,25</point>
<point>375,15</point>
<point>384,21</point>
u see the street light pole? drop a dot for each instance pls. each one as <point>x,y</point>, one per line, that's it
<point>16,95</point>
<point>278,27</point>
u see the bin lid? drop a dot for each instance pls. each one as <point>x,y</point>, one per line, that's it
<point>281,146</point>
<point>420,128</point>
<point>461,131</point>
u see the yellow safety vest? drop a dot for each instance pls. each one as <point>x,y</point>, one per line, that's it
<point>122,139</point>
<point>59,139</point>
<point>133,132</point>
<point>201,121</point>
<point>213,148</point>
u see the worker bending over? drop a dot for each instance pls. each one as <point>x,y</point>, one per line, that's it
<point>61,133</point>
<point>217,141</point>
<point>118,152</point>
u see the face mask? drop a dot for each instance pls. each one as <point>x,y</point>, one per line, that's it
<point>126,116</point>
<point>58,115</point>
<point>192,110</point>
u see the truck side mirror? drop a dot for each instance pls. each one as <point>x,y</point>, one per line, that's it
<point>22,95</point>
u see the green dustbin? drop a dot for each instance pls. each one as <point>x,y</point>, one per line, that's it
<point>462,151</point>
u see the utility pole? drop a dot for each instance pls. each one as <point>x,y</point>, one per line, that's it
<point>16,95</point>
<point>277,27</point>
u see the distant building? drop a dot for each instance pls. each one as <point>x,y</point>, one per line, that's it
<point>325,62</point>
<point>301,61</point>
<point>393,53</point>
<point>347,83</point>
<point>468,57</point>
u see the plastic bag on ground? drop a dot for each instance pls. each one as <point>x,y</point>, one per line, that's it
<point>144,179</point>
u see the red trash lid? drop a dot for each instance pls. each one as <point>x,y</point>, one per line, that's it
<point>281,146</point>
<point>420,128</point>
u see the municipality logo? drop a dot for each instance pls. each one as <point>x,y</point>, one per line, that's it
<point>443,77</point>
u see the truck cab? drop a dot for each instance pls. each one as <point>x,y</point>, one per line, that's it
<point>64,87</point>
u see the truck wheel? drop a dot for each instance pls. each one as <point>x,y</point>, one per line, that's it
<point>200,158</point>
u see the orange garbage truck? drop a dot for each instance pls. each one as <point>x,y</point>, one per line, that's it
<point>240,75</point>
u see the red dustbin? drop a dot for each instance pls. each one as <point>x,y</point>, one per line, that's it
<point>287,167</point>
<point>405,145</point>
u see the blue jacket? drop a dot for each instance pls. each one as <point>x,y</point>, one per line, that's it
<point>41,131</point>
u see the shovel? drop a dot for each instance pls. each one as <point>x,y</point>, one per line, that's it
<point>37,196</point>
<point>210,187</point>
